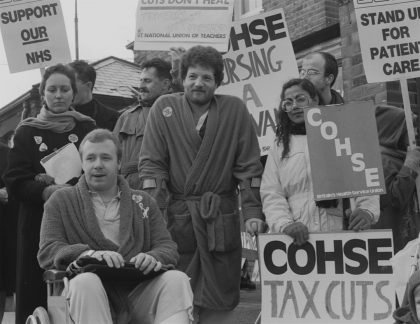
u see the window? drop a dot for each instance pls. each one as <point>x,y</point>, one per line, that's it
<point>247,8</point>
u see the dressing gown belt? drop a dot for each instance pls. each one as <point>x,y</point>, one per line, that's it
<point>209,209</point>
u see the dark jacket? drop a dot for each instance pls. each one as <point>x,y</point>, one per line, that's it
<point>8,232</point>
<point>398,211</point>
<point>104,116</point>
<point>336,99</point>
<point>30,146</point>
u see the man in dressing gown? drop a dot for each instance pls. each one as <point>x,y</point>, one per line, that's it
<point>199,150</point>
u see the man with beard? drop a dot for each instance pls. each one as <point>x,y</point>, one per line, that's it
<point>155,80</point>
<point>198,148</point>
<point>321,69</point>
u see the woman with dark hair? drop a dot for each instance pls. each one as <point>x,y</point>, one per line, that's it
<point>287,188</point>
<point>56,125</point>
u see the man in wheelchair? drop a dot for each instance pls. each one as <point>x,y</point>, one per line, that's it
<point>103,218</point>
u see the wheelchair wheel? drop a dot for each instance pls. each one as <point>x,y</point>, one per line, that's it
<point>31,320</point>
<point>39,316</point>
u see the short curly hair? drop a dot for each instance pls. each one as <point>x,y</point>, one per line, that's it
<point>205,56</point>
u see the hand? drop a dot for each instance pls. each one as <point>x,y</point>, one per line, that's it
<point>112,258</point>
<point>412,159</point>
<point>176,54</point>
<point>48,191</point>
<point>254,226</point>
<point>298,232</point>
<point>146,263</point>
<point>4,197</point>
<point>359,219</point>
<point>45,178</point>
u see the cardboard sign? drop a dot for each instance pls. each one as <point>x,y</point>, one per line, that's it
<point>389,38</point>
<point>259,61</point>
<point>344,151</point>
<point>161,24</point>
<point>34,34</point>
<point>333,278</point>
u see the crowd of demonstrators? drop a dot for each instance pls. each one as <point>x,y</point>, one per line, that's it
<point>101,216</point>
<point>56,125</point>
<point>155,80</point>
<point>84,102</point>
<point>399,206</point>
<point>183,154</point>
<point>287,188</point>
<point>321,68</point>
<point>197,148</point>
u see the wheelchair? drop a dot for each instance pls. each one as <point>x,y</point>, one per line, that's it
<point>58,312</point>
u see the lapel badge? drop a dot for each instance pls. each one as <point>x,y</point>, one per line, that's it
<point>38,139</point>
<point>73,138</point>
<point>43,147</point>
<point>167,112</point>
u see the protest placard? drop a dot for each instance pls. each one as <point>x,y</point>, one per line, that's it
<point>161,24</point>
<point>259,61</point>
<point>344,151</point>
<point>333,278</point>
<point>389,38</point>
<point>34,34</point>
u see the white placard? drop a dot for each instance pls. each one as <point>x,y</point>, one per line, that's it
<point>161,24</point>
<point>389,38</point>
<point>259,61</point>
<point>343,277</point>
<point>63,164</point>
<point>34,34</point>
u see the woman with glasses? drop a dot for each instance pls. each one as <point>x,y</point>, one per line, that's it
<point>287,189</point>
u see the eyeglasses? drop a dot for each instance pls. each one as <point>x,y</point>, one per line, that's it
<point>304,72</point>
<point>301,101</point>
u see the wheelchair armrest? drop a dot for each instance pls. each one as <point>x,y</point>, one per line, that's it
<point>54,275</point>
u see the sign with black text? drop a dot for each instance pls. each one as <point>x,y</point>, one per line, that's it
<point>344,151</point>
<point>389,38</point>
<point>34,34</point>
<point>333,278</point>
<point>260,59</point>
<point>161,24</point>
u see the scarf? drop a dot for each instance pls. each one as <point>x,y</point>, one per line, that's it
<point>299,129</point>
<point>58,123</point>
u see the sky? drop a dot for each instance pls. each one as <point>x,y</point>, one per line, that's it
<point>105,28</point>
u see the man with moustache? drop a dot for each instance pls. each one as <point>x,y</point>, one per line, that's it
<point>155,80</point>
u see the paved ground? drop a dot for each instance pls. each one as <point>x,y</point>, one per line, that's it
<point>249,306</point>
<point>246,312</point>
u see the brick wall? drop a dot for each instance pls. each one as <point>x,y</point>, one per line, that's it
<point>305,16</point>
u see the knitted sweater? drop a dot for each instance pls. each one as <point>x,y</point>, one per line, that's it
<point>69,227</point>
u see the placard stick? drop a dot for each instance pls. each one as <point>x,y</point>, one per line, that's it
<point>42,70</point>
<point>410,126</point>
